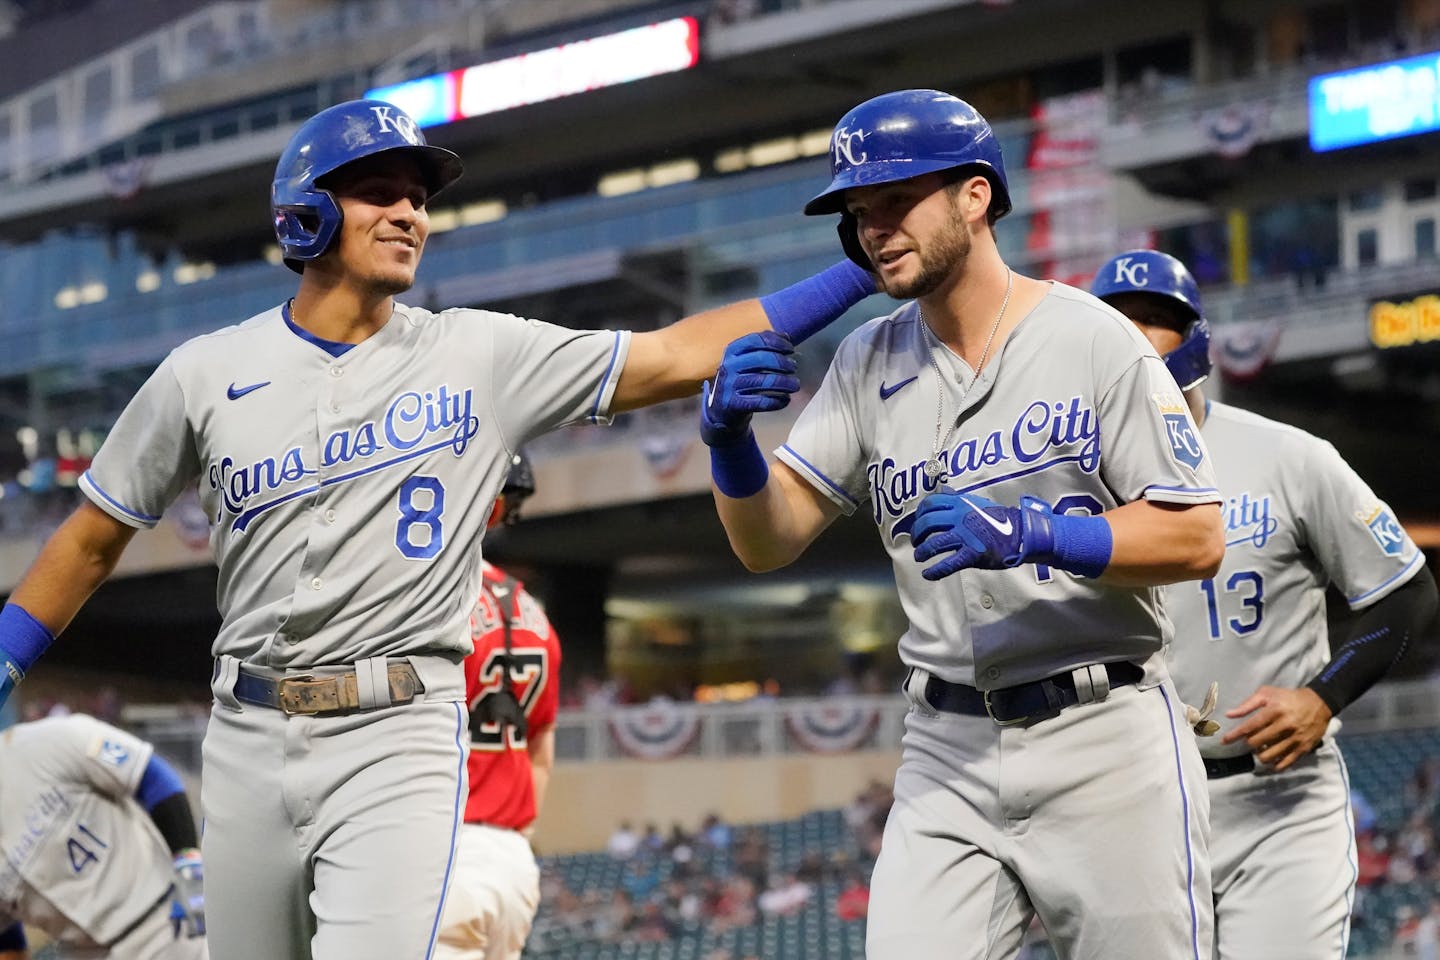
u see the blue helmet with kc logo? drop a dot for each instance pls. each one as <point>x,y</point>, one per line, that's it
<point>1161,275</point>
<point>907,133</point>
<point>307,216</point>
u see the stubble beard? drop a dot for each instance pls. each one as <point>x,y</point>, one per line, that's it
<point>389,283</point>
<point>943,257</point>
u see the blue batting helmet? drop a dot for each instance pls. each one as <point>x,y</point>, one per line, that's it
<point>1161,275</point>
<point>307,216</point>
<point>904,134</point>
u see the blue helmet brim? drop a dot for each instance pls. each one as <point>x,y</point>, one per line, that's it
<point>869,175</point>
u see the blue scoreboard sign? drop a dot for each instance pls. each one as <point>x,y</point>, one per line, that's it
<point>1379,102</point>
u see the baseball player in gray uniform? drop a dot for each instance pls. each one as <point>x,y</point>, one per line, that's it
<point>1297,519</point>
<point>98,845</point>
<point>1034,476</point>
<point>347,449</point>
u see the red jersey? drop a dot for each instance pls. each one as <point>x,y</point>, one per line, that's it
<point>502,792</point>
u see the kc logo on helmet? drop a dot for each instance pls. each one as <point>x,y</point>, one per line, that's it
<point>844,146</point>
<point>388,118</point>
<point>1135,274</point>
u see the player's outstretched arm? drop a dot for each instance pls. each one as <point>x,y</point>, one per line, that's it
<point>673,362</point>
<point>1135,545</point>
<point>770,517</point>
<point>74,561</point>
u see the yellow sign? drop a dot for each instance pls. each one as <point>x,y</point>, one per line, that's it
<point>1408,322</point>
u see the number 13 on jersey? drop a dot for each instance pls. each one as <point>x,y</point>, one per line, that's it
<point>1244,593</point>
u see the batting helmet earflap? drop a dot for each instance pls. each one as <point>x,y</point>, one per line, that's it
<point>907,133</point>
<point>1159,274</point>
<point>307,216</point>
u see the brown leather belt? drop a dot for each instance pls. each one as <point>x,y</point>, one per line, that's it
<point>314,696</point>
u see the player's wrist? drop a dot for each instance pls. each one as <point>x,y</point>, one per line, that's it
<point>1081,545</point>
<point>1334,701</point>
<point>726,430</point>
<point>739,468</point>
<point>803,309</point>
<point>22,639</point>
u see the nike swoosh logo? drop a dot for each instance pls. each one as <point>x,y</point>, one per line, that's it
<point>887,392</point>
<point>235,393</point>
<point>1004,529</point>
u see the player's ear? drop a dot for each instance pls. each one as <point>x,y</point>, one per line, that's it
<point>975,194</point>
<point>497,513</point>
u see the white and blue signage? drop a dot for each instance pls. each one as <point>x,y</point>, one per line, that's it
<point>1380,102</point>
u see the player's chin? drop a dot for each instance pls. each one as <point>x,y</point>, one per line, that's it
<point>393,280</point>
<point>902,287</point>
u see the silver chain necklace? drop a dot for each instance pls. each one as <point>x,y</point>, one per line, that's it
<point>935,466</point>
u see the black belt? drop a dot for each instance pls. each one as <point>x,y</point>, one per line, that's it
<point>319,696</point>
<point>1025,702</point>
<point>1229,766</point>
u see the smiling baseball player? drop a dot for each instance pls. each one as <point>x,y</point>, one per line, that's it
<point>1297,519</point>
<point>347,449</point>
<point>1047,764</point>
<point>97,845</point>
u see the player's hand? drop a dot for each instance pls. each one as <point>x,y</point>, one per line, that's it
<point>978,533</point>
<point>187,910</point>
<point>1283,724</point>
<point>756,375</point>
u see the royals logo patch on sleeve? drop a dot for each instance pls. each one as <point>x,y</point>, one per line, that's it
<point>1384,528</point>
<point>110,753</point>
<point>1180,429</point>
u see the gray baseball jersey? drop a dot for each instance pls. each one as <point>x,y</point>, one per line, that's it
<point>348,494</point>
<point>1077,409</point>
<point>82,859</point>
<point>1095,820</point>
<point>1297,518</point>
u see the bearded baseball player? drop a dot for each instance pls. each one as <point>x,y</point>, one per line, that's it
<point>99,845</point>
<point>347,449</point>
<point>1035,476</point>
<point>1297,519</point>
<point>512,686</point>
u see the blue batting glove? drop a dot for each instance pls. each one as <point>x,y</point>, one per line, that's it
<point>976,533</point>
<point>756,375</point>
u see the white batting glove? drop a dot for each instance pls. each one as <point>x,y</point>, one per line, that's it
<point>1199,720</point>
<point>187,911</point>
